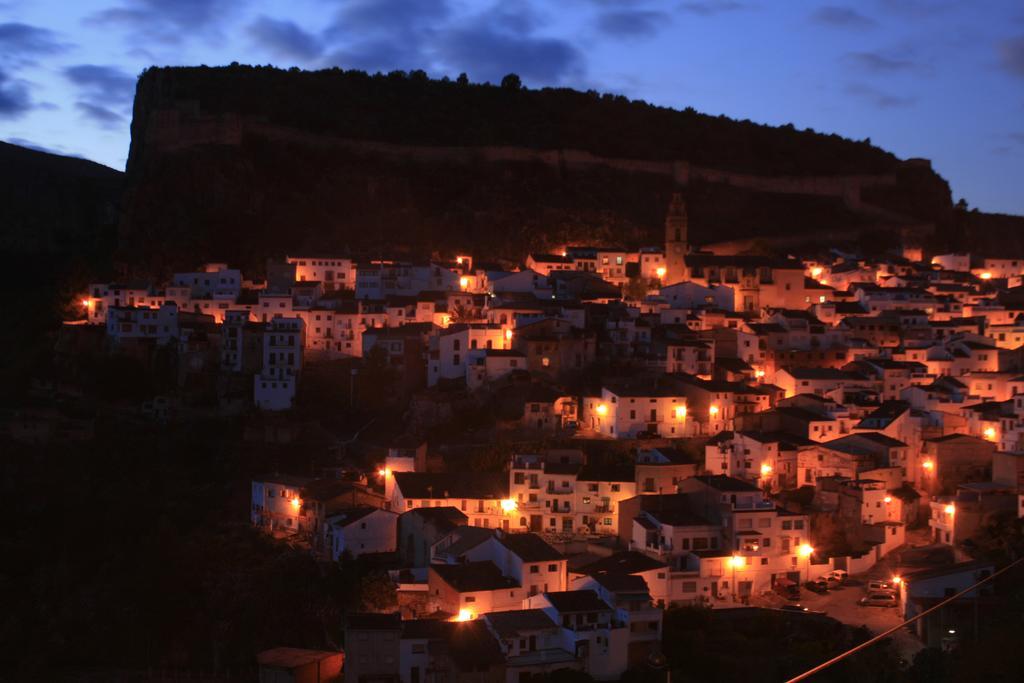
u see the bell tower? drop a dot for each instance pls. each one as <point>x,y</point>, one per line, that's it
<point>676,246</point>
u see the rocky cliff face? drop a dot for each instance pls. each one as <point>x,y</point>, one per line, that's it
<point>241,163</point>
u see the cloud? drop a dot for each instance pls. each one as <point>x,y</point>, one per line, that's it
<point>488,55</point>
<point>385,35</point>
<point>879,98</point>
<point>1011,55</point>
<point>169,21</point>
<point>19,40</point>
<point>707,8</point>
<point>100,115</point>
<point>878,63</point>
<point>14,97</point>
<point>285,39</point>
<point>104,83</point>
<point>631,23</point>
<point>842,17</point>
<point>358,18</point>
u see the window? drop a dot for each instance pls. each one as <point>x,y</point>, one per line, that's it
<point>534,568</point>
<point>469,598</point>
<point>552,567</point>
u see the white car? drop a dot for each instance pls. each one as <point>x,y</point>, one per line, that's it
<point>836,576</point>
<point>879,586</point>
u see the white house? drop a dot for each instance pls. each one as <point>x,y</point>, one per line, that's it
<point>362,530</point>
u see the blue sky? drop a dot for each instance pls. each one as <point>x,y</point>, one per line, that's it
<point>939,79</point>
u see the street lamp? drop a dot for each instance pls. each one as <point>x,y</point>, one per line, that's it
<point>806,551</point>
<point>734,562</point>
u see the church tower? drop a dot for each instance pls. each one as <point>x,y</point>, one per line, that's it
<point>676,247</point>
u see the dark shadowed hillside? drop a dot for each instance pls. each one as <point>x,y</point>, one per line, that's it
<point>52,204</point>
<point>58,230</point>
<point>260,161</point>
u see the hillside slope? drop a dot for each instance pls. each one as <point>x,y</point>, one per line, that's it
<point>240,163</point>
<point>58,230</point>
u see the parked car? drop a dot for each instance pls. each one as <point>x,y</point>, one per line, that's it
<point>801,609</point>
<point>838,575</point>
<point>879,586</point>
<point>878,600</point>
<point>794,608</point>
<point>787,589</point>
<point>817,586</point>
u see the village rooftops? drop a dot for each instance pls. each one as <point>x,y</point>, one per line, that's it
<point>469,537</point>
<point>368,621</point>
<point>607,473</point>
<point>740,261</point>
<point>551,258</point>
<point>292,657</point>
<point>824,374</point>
<point>642,388</point>
<point>884,415</point>
<point>804,414</point>
<point>290,480</point>
<point>519,622</point>
<point>676,516</point>
<point>784,439</point>
<point>470,644</point>
<point>349,516</point>
<point>470,485</point>
<point>722,482</point>
<point>446,518</point>
<point>949,438</point>
<point>626,562</point>
<point>472,577</point>
<point>530,547</point>
<point>622,584</point>
<point>577,601</point>
<point>947,570</point>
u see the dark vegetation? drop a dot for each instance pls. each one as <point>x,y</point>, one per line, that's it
<point>58,229</point>
<point>133,552</point>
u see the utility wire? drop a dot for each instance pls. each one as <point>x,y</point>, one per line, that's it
<point>867,643</point>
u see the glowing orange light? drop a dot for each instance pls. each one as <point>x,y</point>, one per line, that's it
<point>296,503</point>
<point>509,506</point>
<point>713,411</point>
<point>824,282</point>
<point>86,302</point>
<point>736,561</point>
<point>766,469</point>
<point>508,334</point>
<point>601,409</point>
<point>805,550</point>
<point>564,253</point>
<point>990,433</point>
<point>888,499</point>
<point>759,373</point>
<point>897,580</point>
<point>986,276</point>
<point>816,271</point>
<point>464,282</point>
<point>458,260</point>
<point>661,272</point>
<point>680,412</point>
<point>950,509</point>
<point>928,465</point>
<point>464,614</point>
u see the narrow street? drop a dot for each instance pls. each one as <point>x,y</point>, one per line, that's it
<point>840,603</point>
